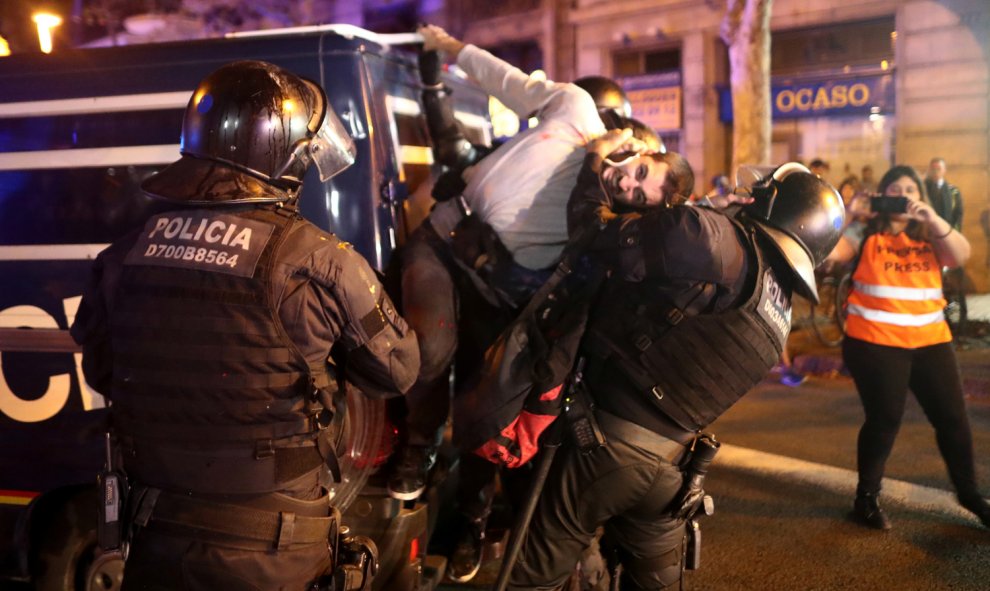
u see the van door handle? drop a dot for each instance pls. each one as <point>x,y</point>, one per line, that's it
<point>394,192</point>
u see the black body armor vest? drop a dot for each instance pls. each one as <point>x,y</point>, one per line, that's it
<point>692,368</point>
<point>209,394</point>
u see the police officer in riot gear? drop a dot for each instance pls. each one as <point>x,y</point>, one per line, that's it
<point>615,110</point>
<point>226,333</point>
<point>612,102</point>
<point>695,313</point>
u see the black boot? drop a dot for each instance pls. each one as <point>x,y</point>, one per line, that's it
<point>410,471</point>
<point>867,511</point>
<point>978,505</point>
<point>466,559</point>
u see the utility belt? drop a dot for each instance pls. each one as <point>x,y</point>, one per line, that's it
<point>353,559</point>
<point>250,468</point>
<point>244,527</point>
<point>588,424</point>
<point>669,450</point>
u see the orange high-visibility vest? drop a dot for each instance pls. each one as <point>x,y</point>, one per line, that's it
<point>896,298</point>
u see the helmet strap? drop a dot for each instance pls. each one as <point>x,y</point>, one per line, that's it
<point>300,153</point>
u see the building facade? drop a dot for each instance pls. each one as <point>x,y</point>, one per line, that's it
<point>854,82</point>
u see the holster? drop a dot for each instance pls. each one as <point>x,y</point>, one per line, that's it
<point>357,564</point>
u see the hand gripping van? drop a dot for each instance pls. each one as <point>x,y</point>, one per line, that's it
<point>79,131</point>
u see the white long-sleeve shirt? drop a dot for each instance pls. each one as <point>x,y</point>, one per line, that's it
<point>521,189</point>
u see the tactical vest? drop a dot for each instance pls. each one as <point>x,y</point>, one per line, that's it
<point>692,368</point>
<point>209,393</point>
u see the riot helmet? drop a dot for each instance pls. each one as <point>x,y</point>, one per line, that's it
<point>802,215</point>
<point>612,102</point>
<point>250,132</point>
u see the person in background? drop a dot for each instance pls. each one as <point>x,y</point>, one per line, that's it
<point>855,199</point>
<point>848,189</point>
<point>867,182</point>
<point>944,197</point>
<point>897,340</point>
<point>720,187</point>
<point>819,167</point>
<point>227,363</point>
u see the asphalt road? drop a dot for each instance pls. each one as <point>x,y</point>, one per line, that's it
<point>784,485</point>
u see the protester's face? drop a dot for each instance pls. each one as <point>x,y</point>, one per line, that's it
<point>638,182</point>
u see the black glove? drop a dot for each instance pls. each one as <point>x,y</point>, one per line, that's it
<point>448,185</point>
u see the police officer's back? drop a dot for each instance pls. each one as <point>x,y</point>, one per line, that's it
<point>211,329</point>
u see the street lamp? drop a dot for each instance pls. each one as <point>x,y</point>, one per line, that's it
<point>46,22</point>
<point>4,47</point>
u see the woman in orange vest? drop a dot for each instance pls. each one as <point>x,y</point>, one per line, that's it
<point>897,338</point>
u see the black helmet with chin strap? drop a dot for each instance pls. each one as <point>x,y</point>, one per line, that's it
<point>802,215</point>
<point>250,132</point>
<point>612,102</point>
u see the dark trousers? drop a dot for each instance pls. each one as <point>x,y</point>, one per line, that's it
<point>169,557</point>
<point>430,306</point>
<point>168,562</point>
<point>883,376</point>
<point>625,486</point>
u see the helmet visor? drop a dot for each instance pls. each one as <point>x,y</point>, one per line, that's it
<point>332,148</point>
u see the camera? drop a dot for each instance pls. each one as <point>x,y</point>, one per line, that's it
<point>880,204</point>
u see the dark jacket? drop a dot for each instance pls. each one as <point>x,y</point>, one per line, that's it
<point>946,201</point>
<point>694,259</point>
<point>323,297</point>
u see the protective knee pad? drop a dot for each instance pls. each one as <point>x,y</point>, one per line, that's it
<point>652,572</point>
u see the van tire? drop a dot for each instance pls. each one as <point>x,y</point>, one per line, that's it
<point>64,541</point>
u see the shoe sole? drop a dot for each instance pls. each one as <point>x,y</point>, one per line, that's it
<point>465,578</point>
<point>407,496</point>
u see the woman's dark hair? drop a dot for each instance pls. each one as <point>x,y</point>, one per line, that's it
<point>881,222</point>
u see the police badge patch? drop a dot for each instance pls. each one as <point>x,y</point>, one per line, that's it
<point>201,240</point>
<point>774,306</point>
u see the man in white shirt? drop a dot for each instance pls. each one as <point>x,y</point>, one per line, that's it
<point>522,187</point>
<point>521,190</point>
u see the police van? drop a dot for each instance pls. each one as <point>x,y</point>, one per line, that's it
<point>79,132</point>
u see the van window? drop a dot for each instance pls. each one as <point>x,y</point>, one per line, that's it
<point>96,130</point>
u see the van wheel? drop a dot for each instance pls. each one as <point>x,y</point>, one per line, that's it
<point>66,556</point>
<point>105,573</point>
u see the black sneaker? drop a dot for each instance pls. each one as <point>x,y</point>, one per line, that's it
<point>465,562</point>
<point>979,506</point>
<point>867,511</point>
<point>412,467</point>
